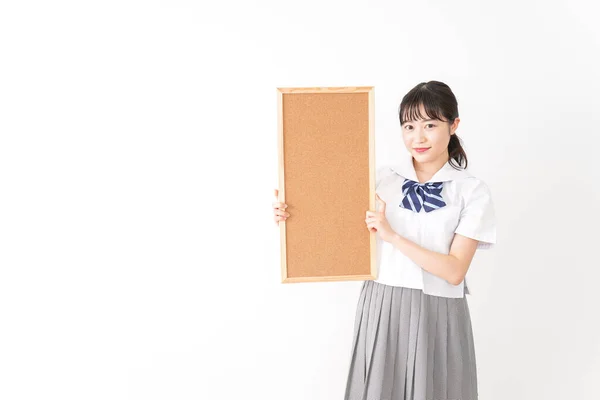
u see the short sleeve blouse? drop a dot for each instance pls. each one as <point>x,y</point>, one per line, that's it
<point>469,211</point>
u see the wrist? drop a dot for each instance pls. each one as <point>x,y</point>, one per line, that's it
<point>395,239</point>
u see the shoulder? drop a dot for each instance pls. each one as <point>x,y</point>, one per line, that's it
<point>384,169</point>
<point>474,192</point>
<point>382,172</point>
<point>472,185</point>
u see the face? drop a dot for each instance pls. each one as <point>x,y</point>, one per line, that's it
<point>431,134</point>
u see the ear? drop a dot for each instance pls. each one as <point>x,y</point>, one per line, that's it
<point>454,126</point>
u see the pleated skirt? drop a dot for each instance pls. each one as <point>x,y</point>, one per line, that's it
<point>409,345</point>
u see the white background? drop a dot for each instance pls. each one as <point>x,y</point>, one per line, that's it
<point>138,158</point>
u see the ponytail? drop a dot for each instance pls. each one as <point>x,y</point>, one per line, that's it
<point>457,152</point>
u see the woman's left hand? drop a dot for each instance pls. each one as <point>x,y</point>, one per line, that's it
<point>377,222</point>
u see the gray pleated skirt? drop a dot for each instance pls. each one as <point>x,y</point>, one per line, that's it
<point>409,345</point>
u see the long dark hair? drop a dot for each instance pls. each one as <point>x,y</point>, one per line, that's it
<point>439,103</point>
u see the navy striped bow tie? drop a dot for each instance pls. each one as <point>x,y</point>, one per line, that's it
<point>422,195</point>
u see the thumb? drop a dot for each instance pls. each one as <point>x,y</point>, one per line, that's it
<point>381,203</point>
<point>277,193</point>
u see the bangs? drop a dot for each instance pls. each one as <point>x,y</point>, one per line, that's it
<point>410,106</point>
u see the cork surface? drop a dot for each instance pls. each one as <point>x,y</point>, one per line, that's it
<point>326,153</point>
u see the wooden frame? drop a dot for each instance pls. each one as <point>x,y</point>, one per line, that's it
<point>326,145</point>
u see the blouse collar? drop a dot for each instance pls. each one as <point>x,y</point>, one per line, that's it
<point>406,169</point>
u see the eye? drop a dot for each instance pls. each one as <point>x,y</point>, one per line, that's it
<point>432,125</point>
<point>407,127</point>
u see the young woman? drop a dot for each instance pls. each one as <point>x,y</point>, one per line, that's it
<point>412,335</point>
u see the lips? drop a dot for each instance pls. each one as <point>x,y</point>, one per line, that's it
<point>422,149</point>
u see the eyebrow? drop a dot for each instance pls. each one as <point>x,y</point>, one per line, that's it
<point>425,120</point>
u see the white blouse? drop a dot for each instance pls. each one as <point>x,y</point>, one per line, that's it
<point>469,211</point>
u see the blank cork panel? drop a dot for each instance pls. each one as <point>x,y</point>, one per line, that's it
<point>327,179</point>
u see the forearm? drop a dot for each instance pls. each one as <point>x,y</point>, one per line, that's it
<point>443,265</point>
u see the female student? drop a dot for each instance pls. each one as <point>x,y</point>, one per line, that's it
<point>412,335</point>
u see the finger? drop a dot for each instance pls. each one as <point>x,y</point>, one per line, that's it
<point>277,204</point>
<point>281,212</point>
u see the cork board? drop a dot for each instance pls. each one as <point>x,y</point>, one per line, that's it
<point>326,147</point>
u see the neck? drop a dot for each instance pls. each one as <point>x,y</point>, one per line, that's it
<point>431,167</point>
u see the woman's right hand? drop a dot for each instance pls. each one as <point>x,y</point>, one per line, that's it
<point>279,213</point>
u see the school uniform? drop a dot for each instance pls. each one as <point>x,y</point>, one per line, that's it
<point>413,338</point>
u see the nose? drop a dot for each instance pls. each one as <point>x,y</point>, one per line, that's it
<point>419,135</point>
